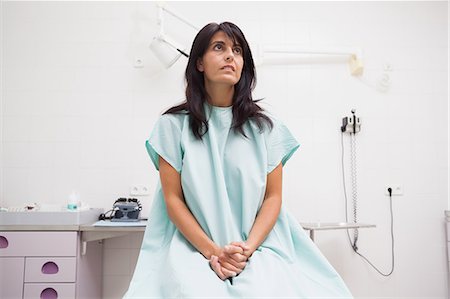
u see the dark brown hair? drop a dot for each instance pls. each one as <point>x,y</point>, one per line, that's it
<point>244,107</point>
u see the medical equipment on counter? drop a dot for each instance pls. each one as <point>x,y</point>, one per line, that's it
<point>123,210</point>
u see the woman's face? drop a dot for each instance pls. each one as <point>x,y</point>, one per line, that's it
<point>222,62</point>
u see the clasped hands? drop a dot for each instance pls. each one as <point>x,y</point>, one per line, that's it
<point>230,260</point>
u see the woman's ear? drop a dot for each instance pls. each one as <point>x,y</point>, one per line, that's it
<point>200,65</point>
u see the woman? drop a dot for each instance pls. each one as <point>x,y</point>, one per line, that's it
<point>217,227</point>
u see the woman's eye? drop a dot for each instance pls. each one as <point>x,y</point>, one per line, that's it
<point>218,47</point>
<point>238,50</point>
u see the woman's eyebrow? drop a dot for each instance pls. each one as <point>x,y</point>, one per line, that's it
<point>223,43</point>
<point>217,42</point>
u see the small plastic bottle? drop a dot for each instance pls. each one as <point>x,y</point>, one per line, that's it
<point>72,204</point>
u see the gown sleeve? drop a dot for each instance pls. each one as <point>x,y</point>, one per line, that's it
<point>281,145</point>
<point>165,141</point>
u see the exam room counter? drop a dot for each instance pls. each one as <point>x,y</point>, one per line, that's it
<point>54,261</point>
<point>65,261</point>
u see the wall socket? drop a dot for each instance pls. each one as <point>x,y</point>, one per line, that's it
<point>137,190</point>
<point>397,190</point>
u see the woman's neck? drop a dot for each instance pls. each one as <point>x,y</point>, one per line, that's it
<point>220,95</point>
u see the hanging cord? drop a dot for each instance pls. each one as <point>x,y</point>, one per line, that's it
<point>354,188</point>
<point>354,193</point>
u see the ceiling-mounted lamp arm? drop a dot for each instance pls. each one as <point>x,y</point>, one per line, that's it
<point>160,21</point>
<point>180,18</point>
<point>355,54</point>
<point>162,9</point>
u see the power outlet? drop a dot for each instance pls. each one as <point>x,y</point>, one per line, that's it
<point>397,190</point>
<point>138,62</point>
<point>137,190</point>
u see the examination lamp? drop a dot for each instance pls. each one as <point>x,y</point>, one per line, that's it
<point>165,49</point>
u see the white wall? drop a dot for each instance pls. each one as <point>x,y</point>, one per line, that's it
<point>75,115</point>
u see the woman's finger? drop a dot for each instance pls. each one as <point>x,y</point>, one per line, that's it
<point>231,249</point>
<point>228,273</point>
<point>247,251</point>
<point>237,260</point>
<point>241,265</point>
<point>230,267</point>
<point>233,262</point>
<point>218,271</point>
<point>222,272</point>
<point>243,245</point>
<point>214,262</point>
<point>239,257</point>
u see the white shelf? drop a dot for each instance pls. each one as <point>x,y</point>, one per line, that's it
<point>333,225</point>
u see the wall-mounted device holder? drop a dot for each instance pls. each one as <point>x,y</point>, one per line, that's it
<point>351,124</point>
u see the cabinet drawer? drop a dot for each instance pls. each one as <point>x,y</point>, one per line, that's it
<point>49,291</point>
<point>38,243</point>
<point>62,269</point>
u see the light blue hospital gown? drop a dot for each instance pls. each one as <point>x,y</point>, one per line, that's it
<point>224,179</point>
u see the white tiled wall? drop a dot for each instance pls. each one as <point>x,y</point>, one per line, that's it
<point>75,115</point>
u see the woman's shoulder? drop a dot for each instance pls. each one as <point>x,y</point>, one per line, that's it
<point>177,117</point>
<point>269,122</point>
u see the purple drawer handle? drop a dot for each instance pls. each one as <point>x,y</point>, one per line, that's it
<point>50,268</point>
<point>3,242</point>
<point>49,293</point>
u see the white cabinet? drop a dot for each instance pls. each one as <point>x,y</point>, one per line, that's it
<point>48,264</point>
<point>11,277</point>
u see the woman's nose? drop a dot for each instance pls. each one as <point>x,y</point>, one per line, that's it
<point>229,55</point>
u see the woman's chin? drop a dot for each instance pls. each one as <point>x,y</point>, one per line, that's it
<point>228,81</point>
<point>223,80</point>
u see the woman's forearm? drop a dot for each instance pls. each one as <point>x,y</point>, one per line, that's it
<point>264,222</point>
<point>186,223</point>
<point>269,211</point>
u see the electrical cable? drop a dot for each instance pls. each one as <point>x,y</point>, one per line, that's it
<point>183,53</point>
<point>353,244</point>
<point>104,216</point>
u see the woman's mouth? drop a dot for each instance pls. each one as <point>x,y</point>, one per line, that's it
<point>229,67</point>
